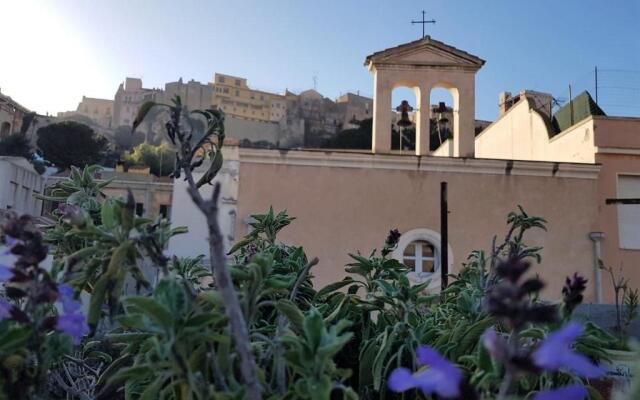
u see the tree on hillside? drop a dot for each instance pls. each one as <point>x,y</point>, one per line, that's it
<point>16,145</point>
<point>70,143</point>
<point>160,159</point>
<point>127,140</point>
<point>357,138</point>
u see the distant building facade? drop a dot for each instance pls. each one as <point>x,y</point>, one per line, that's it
<point>153,195</point>
<point>11,116</point>
<point>193,94</point>
<point>232,95</point>
<point>128,99</point>
<point>100,111</point>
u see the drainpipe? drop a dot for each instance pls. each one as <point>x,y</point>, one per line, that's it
<point>596,238</point>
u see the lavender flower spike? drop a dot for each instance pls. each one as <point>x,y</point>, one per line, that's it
<point>441,378</point>
<point>572,392</point>
<point>555,353</point>
<point>5,309</point>
<point>9,242</point>
<point>69,304</point>
<point>73,325</point>
<point>5,273</point>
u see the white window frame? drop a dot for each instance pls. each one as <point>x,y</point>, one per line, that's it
<point>622,211</point>
<point>432,237</point>
<point>419,259</point>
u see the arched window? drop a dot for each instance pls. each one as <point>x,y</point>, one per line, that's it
<point>420,256</point>
<point>419,249</point>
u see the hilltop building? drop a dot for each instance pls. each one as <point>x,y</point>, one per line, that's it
<point>128,99</point>
<point>232,95</point>
<point>193,94</point>
<point>100,111</point>
<point>11,116</point>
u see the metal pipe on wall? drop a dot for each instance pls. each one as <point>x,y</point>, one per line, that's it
<point>596,238</point>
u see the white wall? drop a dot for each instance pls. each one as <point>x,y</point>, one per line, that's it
<point>522,134</point>
<point>185,213</point>
<point>18,182</point>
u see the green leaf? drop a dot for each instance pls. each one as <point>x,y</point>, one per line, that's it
<point>313,326</point>
<point>292,312</point>
<point>142,112</point>
<point>153,309</point>
<point>97,300</point>
<point>14,339</point>
<point>332,287</point>
<point>109,214</point>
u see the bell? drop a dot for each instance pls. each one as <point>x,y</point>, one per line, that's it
<point>404,108</point>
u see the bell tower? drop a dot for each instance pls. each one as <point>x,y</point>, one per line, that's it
<point>423,65</point>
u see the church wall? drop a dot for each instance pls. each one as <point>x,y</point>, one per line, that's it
<point>347,202</point>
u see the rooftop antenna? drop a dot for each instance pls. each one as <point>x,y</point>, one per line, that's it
<point>424,22</point>
<point>315,80</point>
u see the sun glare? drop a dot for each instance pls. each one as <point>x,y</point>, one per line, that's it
<point>51,63</point>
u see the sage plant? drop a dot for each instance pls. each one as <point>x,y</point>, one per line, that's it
<point>33,333</point>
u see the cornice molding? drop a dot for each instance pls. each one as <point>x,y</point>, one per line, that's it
<point>335,159</point>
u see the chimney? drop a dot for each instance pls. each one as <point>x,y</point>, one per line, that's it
<point>504,102</point>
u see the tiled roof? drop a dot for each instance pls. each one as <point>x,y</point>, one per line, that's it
<point>426,40</point>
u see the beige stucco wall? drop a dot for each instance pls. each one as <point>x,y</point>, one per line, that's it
<point>522,134</point>
<point>347,202</point>
<point>617,132</point>
<point>612,254</point>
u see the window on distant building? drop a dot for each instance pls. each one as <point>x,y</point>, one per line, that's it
<point>164,210</point>
<point>139,209</point>
<point>261,97</point>
<point>5,130</point>
<point>221,79</point>
<point>225,90</point>
<point>629,214</point>
<point>237,82</point>
<point>237,93</point>
<point>253,96</point>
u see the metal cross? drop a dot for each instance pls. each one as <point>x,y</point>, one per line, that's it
<point>424,22</point>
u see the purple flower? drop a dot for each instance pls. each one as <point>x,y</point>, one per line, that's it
<point>555,353</point>
<point>5,309</point>
<point>69,304</point>
<point>72,214</point>
<point>5,273</point>
<point>571,392</point>
<point>442,377</point>
<point>495,344</point>
<point>9,242</point>
<point>73,325</point>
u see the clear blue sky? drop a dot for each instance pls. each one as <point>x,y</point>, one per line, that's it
<point>62,49</point>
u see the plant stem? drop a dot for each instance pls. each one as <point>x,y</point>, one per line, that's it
<point>224,283</point>
<point>507,381</point>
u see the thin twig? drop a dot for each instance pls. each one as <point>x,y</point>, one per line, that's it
<point>209,208</point>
